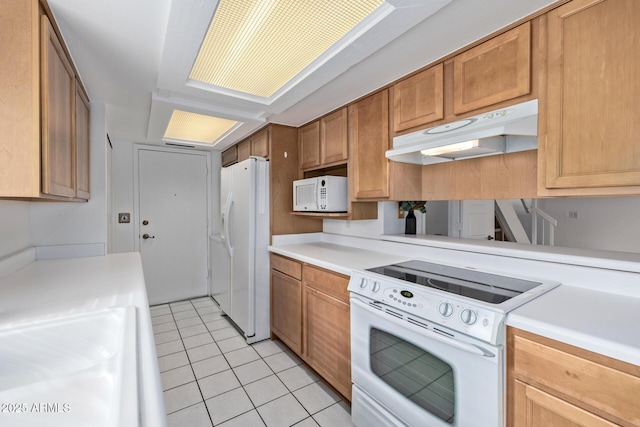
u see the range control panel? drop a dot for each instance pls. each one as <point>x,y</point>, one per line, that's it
<point>457,313</point>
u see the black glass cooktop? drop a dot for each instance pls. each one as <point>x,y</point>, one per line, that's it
<point>477,285</point>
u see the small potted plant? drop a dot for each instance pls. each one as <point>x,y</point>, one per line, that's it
<point>410,220</point>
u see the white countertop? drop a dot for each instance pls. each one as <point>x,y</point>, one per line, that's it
<point>53,288</point>
<point>339,258</point>
<point>599,310</point>
<point>601,322</point>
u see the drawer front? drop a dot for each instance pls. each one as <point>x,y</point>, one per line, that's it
<point>601,387</point>
<point>330,283</point>
<point>287,266</point>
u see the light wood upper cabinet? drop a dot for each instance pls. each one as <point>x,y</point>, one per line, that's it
<point>244,150</point>
<point>58,122</point>
<point>552,383</point>
<point>230,156</point>
<point>309,146</point>
<point>324,142</point>
<point>333,138</point>
<point>260,144</point>
<point>371,175</point>
<point>82,144</point>
<point>42,116</point>
<point>494,71</point>
<point>369,137</point>
<point>419,100</point>
<point>590,138</point>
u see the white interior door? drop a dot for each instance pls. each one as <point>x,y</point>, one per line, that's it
<point>472,219</point>
<point>172,216</point>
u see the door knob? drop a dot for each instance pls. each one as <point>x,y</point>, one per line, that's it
<point>145,236</point>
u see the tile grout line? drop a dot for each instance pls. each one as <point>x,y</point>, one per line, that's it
<point>261,357</point>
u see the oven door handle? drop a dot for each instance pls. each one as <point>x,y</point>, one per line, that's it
<point>471,348</point>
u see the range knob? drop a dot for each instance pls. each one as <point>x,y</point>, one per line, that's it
<point>363,283</point>
<point>445,309</point>
<point>468,317</point>
<point>376,287</point>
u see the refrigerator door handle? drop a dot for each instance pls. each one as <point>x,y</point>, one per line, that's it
<point>226,224</point>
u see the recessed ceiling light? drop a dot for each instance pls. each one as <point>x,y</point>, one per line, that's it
<point>187,126</point>
<point>256,47</point>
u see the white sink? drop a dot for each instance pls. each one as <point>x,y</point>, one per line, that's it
<point>75,370</point>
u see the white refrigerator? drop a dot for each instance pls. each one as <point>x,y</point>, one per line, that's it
<point>240,282</point>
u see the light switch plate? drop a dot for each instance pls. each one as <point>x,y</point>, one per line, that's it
<point>124,218</point>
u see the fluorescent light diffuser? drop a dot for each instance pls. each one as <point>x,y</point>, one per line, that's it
<point>256,47</point>
<point>474,147</point>
<point>187,126</point>
<point>466,145</point>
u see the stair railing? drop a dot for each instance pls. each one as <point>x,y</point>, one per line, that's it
<point>548,224</point>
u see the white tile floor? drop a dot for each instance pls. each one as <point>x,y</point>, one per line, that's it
<point>211,377</point>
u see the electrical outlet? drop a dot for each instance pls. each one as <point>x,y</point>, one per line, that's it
<point>573,214</point>
<point>124,218</point>
<point>400,211</point>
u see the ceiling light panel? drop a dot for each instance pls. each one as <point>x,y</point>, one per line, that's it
<point>187,126</point>
<point>256,47</point>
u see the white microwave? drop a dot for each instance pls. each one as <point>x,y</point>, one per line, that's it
<point>320,194</point>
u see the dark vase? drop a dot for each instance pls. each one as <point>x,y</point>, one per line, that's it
<point>410,223</point>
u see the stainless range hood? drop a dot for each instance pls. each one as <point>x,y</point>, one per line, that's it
<point>506,130</point>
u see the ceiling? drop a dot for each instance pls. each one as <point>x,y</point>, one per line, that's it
<point>135,56</point>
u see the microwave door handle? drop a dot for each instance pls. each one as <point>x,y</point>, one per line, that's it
<point>471,348</point>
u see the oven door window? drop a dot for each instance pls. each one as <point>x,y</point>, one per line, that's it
<point>421,377</point>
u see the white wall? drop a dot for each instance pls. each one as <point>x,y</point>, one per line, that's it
<point>63,223</point>
<point>387,223</point>
<point>437,217</point>
<point>123,235</point>
<point>14,226</point>
<point>606,223</point>
<point>122,182</point>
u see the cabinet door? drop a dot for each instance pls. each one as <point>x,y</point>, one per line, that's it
<point>244,150</point>
<point>592,94</point>
<point>58,111</point>
<point>535,408</point>
<point>333,138</point>
<point>260,144</point>
<point>419,100</point>
<point>369,138</point>
<point>230,156</point>
<point>309,146</point>
<point>286,309</point>
<point>494,71</point>
<point>327,343</point>
<point>82,144</point>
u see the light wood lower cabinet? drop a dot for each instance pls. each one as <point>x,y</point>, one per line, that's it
<point>312,317</point>
<point>326,326</point>
<point>534,407</point>
<point>550,383</point>
<point>286,309</point>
